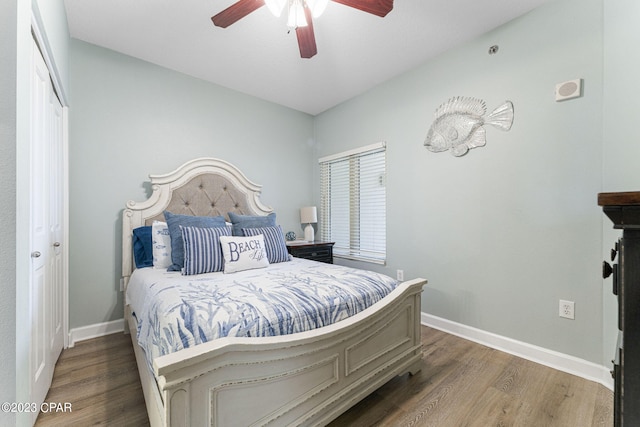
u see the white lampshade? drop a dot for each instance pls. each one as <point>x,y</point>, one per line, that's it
<point>296,15</point>
<point>308,215</point>
<point>317,6</point>
<point>275,6</point>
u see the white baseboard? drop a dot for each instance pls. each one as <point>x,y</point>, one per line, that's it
<point>553,359</point>
<point>95,330</point>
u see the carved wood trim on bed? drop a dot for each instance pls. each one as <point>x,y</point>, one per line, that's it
<point>308,378</point>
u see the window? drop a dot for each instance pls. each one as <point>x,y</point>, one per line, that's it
<point>353,203</point>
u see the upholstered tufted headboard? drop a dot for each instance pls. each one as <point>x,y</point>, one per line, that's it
<point>201,187</point>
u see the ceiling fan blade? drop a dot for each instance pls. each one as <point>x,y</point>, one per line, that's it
<point>376,7</point>
<point>235,12</point>
<point>306,37</point>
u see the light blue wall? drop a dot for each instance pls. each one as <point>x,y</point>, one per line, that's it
<point>621,103</point>
<point>130,118</point>
<point>506,231</point>
<point>8,57</point>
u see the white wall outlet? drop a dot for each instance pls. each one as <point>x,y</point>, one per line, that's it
<point>567,309</point>
<point>400,275</point>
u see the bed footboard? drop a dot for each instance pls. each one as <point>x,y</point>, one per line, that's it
<point>308,378</point>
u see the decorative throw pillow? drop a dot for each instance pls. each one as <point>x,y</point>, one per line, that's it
<point>250,221</point>
<point>161,242</point>
<point>202,251</point>
<point>274,242</point>
<point>243,253</point>
<point>174,222</point>
<point>142,253</point>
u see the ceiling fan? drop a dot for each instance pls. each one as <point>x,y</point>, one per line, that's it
<point>300,15</point>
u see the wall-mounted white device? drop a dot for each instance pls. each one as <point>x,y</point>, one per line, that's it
<point>568,90</point>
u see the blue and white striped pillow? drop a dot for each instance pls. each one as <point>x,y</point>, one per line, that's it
<point>202,252</point>
<point>273,241</point>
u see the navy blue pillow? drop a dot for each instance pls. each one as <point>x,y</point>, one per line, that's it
<point>174,221</point>
<point>250,221</point>
<point>142,246</point>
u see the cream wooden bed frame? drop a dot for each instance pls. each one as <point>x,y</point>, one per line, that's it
<point>307,378</point>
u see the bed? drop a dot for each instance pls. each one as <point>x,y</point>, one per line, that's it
<point>300,378</point>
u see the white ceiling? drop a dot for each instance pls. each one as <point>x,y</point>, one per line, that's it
<point>257,56</point>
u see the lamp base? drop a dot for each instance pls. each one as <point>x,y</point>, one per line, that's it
<point>309,233</point>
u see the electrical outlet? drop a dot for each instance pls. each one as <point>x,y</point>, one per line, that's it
<point>400,275</point>
<point>567,309</point>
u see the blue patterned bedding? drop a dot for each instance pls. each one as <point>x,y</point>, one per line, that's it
<point>176,312</point>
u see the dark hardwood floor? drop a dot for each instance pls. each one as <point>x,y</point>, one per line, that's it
<point>461,384</point>
<point>99,377</point>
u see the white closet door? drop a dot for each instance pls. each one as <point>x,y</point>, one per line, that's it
<point>55,304</point>
<point>40,370</point>
<point>47,230</point>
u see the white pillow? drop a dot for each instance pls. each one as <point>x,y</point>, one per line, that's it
<point>243,253</point>
<point>161,241</point>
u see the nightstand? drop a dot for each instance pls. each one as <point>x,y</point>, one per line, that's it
<point>316,251</point>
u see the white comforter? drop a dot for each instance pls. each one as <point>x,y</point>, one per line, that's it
<point>176,312</point>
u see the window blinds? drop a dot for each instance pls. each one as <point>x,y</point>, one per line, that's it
<point>353,203</point>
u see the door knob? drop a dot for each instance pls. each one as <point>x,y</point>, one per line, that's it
<point>56,245</point>
<point>35,254</point>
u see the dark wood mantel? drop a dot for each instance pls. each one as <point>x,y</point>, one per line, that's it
<point>625,198</point>
<point>622,208</point>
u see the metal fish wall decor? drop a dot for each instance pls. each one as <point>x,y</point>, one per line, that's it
<point>459,125</point>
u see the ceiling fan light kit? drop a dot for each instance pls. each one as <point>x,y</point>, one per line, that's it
<point>295,9</point>
<point>299,15</point>
<point>296,14</point>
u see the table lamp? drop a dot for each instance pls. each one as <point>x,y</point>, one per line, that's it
<point>308,215</point>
